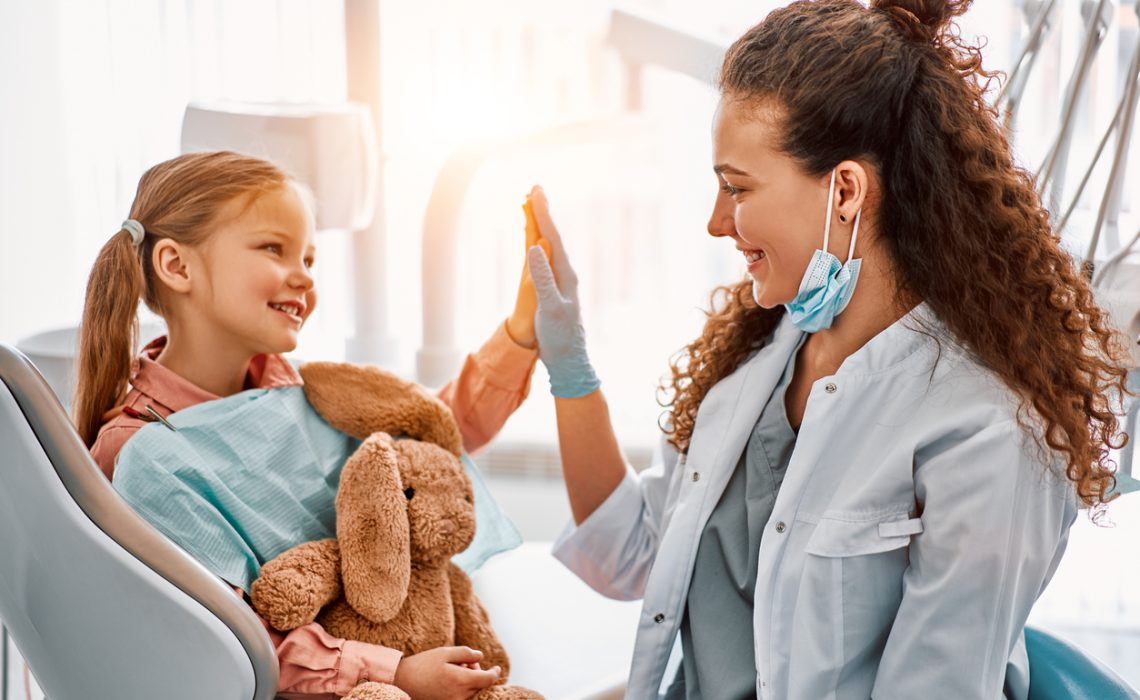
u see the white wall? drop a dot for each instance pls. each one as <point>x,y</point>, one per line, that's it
<point>38,283</point>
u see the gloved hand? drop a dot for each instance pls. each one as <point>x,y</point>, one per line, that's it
<point>558,322</point>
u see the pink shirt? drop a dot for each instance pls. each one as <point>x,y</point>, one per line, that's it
<point>493,382</point>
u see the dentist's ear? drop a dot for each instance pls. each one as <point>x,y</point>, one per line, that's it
<point>172,265</point>
<point>852,183</point>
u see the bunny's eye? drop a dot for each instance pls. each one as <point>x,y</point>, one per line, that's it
<point>409,492</point>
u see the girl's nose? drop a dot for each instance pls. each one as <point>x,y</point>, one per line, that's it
<point>302,278</point>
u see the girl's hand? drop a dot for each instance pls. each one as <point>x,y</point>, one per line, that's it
<point>558,325</point>
<point>444,673</point>
<point>520,325</point>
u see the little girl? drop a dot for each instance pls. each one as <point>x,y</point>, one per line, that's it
<point>220,246</point>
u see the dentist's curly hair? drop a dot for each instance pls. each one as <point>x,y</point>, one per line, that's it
<point>181,199</point>
<point>895,85</point>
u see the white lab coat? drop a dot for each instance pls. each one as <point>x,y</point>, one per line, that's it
<point>915,528</point>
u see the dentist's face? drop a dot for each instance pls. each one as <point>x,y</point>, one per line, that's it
<point>260,285</point>
<point>766,205</point>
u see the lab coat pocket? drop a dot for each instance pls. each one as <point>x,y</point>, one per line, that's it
<point>847,538</point>
<point>851,589</point>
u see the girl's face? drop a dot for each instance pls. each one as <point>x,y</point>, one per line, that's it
<point>259,285</point>
<point>767,206</point>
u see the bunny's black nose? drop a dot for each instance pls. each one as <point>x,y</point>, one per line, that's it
<point>409,492</point>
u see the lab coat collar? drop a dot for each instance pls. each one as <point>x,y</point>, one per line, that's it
<point>917,329</point>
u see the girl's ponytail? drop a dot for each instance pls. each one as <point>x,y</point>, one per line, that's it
<point>108,334</point>
<point>180,199</point>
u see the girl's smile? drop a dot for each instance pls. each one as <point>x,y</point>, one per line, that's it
<point>294,310</point>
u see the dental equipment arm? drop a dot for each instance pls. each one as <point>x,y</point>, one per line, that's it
<point>1110,204</point>
<point>1009,99</point>
<point>1051,174</point>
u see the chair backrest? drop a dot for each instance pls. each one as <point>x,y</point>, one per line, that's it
<point>100,604</point>
<point>1059,670</point>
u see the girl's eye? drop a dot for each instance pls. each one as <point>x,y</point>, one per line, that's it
<point>309,262</point>
<point>272,248</point>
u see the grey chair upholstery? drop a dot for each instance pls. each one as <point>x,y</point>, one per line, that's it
<point>99,603</point>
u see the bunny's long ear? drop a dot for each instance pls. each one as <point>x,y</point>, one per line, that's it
<point>361,400</point>
<point>372,528</point>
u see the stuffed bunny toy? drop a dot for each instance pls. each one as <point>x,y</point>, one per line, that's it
<point>404,507</point>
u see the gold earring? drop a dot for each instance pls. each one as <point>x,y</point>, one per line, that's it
<point>843,218</point>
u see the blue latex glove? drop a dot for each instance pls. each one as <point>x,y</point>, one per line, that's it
<point>558,321</point>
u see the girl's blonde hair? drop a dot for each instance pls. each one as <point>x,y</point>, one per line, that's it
<point>179,199</point>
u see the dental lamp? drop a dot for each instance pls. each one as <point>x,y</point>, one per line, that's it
<point>334,149</point>
<point>330,148</point>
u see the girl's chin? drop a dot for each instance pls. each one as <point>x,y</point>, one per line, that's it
<point>280,346</point>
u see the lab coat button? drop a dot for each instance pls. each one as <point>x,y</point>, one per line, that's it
<point>696,476</point>
<point>659,618</point>
<point>780,526</point>
<point>830,388</point>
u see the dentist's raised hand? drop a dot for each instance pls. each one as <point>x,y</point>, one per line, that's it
<point>558,323</point>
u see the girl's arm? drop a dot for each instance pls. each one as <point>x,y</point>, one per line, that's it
<point>495,380</point>
<point>313,662</point>
<point>493,383</point>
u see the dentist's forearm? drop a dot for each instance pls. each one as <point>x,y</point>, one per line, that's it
<point>592,463</point>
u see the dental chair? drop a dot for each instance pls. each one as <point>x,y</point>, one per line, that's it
<point>1059,670</point>
<point>98,602</point>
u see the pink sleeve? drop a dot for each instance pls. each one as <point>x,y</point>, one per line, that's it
<point>313,662</point>
<point>108,444</point>
<point>493,382</point>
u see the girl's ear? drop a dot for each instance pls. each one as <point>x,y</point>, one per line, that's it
<point>172,265</point>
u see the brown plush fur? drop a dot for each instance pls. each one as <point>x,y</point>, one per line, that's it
<point>360,400</point>
<point>404,508</point>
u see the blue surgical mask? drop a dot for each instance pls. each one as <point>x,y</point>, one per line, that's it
<point>827,285</point>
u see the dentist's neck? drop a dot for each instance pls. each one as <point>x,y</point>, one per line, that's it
<point>873,308</point>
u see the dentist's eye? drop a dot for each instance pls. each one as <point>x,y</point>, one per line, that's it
<point>729,189</point>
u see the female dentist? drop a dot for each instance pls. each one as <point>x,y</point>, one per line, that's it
<point>872,462</point>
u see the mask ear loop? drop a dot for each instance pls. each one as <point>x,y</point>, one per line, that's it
<point>827,222</point>
<point>854,235</point>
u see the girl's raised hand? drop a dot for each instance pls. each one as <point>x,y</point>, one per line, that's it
<point>520,325</point>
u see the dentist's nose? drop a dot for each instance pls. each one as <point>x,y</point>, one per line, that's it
<point>723,221</point>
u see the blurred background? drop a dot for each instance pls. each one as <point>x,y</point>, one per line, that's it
<point>468,105</point>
